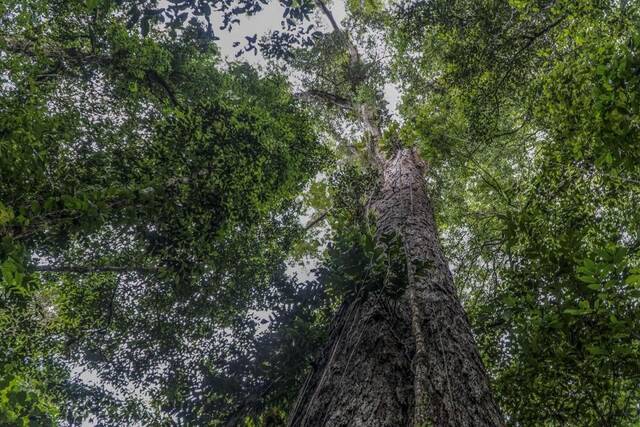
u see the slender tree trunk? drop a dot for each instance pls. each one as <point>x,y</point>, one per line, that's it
<point>402,361</point>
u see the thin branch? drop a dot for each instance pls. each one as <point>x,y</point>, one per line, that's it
<point>93,269</point>
<point>545,29</point>
<point>158,79</point>
<point>531,39</point>
<point>316,220</point>
<point>326,97</point>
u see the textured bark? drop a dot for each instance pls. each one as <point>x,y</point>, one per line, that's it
<point>363,376</point>
<point>451,386</point>
<point>405,361</point>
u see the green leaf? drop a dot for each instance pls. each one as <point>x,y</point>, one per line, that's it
<point>588,279</point>
<point>6,214</point>
<point>596,350</point>
<point>91,4</point>
<point>633,280</point>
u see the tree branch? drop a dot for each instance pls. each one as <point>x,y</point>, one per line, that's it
<point>327,97</point>
<point>158,79</point>
<point>325,10</point>
<point>315,221</point>
<point>93,269</point>
<point>79,58</point>
<point>530,40</point>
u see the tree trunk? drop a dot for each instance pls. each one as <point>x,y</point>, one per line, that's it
<point>402,361</point>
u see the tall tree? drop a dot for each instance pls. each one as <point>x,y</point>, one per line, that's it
<point>421,336</point>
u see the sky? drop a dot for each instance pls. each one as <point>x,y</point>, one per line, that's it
<point>268,20</point>
<point>260,24</point>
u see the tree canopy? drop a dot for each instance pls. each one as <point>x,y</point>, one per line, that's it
<point>154,198</point>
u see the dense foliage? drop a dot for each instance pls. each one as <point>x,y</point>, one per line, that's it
<point>154,191</point>
<point>529,112</point>
<point>151,196</point>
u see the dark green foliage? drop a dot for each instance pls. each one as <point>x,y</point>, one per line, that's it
<point>261,380</point>
<point>155,191</point>
<point>354,264</point>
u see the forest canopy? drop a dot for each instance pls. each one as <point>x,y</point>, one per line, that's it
<point>191,240</point>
